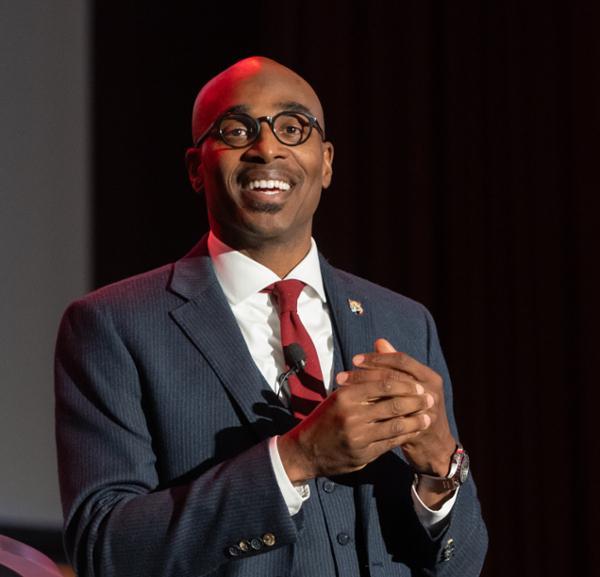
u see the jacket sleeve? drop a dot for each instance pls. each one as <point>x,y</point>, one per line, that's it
<point>460,549</point>
<point>119,521</point>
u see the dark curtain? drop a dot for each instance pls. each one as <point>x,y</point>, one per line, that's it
<point>466,177</point>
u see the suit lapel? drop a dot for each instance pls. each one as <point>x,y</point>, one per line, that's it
<point>354,330</point>
<point>207,320</point>
<point>354,334</point>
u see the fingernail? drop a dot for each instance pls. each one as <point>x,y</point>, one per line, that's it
<point>427,420</point>
<point>420,389</point>
<point>358,359</point>
<point>341,378</point>
<point>429,401</point>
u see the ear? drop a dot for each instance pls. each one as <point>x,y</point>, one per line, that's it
<point>193,161</point>
<point>327,164</point>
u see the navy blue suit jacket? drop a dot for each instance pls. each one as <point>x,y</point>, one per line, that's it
<point>163,421</point>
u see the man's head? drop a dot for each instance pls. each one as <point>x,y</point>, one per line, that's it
<point>268,189</point>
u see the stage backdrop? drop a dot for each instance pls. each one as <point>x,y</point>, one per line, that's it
<point>44,240</point>
<point>465,176</point>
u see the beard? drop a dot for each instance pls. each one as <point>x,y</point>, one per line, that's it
<point>266,207</point>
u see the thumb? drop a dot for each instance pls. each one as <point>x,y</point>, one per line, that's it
<point>384,346</point>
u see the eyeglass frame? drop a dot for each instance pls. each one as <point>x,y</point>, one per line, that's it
<point>312,122</point>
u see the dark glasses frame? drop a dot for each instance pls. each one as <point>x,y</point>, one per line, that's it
<point>255,125</point>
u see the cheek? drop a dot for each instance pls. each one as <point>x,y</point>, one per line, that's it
<point>216,169</point>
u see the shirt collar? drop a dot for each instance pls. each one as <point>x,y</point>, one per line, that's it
<point>241,277</point>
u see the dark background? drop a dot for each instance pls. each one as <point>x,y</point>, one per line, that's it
<point>466,140</point>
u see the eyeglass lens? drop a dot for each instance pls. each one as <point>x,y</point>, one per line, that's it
<point>240,130</point>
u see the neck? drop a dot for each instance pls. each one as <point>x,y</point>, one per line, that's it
<point>281,256</point>
<point>279,259</point>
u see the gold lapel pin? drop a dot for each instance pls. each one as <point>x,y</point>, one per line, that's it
<point>356,307</point>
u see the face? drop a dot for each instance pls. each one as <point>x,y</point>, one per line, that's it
<point>266,192</point>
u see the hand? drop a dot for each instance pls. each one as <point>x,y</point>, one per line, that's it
<point>429,450</point>
<point>372,411</point>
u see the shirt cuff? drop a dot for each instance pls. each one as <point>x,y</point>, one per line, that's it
<point>434,520</point>
<point>293,496</point>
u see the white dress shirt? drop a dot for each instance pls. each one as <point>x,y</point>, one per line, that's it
<point>242,280</point>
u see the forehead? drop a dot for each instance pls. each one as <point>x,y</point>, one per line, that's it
<point>259,91</point>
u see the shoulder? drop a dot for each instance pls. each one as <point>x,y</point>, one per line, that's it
<point>375,295</point>
<point>139,296</point>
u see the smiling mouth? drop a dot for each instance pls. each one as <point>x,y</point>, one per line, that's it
<point>269,187</point>
<point>265,195</point>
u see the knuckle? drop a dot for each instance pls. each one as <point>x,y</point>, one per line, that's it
<point>357,461</point>
<point>342,399</point>
<point>397,426</point>
<point>342,423</point>
<point>386,384</point>
<point>392,443</point>
<point>354,440</point>
<point>396,406</point>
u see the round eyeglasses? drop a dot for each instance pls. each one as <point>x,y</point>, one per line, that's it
<point>239,130</point>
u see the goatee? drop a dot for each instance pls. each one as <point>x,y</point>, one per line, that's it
<point>266,207</point>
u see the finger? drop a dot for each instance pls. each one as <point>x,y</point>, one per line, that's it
<point>394,360</point>
<point>384,346</point>
<point>378,383</point>
<point>394,432</point>
<point>399,407</point>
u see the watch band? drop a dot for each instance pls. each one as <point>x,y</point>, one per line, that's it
<point>458,474</point>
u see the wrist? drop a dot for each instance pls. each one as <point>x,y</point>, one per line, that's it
<point>455,476</point>
<point>441,464</point>
<point>431,498</point>
<point>297,466</point>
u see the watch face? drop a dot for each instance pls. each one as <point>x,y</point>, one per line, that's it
<point>464,468</point>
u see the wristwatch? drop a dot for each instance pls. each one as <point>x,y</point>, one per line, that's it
<point>459,472</point>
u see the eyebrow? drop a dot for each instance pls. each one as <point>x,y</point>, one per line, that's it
<point>290,105</point>
<point>295,107</point>
<point>237,109</point>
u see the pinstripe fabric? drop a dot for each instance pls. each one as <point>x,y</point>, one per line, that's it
<point>163,421</point>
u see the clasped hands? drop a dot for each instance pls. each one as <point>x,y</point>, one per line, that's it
<point>389,400</point>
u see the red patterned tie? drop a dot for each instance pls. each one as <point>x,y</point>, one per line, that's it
<point>306,389</point>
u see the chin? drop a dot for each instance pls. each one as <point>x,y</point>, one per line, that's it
<point>265,207</point>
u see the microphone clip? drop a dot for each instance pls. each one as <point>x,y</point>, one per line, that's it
<point>295,358</point>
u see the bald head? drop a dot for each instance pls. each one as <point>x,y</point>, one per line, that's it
<point>256,75</point>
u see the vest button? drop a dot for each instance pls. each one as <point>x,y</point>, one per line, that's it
<point>343,538</point>
<point>328,486</point>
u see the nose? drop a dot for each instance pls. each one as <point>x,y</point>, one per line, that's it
<point>266,147</point>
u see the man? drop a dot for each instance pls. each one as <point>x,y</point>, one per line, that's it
<point>191,444</point>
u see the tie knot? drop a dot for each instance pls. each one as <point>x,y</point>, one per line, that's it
<point>286,292</point>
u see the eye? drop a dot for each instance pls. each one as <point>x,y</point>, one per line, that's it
<point>291,127</point>
<point>231,127</point>
<point>235,130</point>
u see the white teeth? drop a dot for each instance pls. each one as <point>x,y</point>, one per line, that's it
<point>269,185</point>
